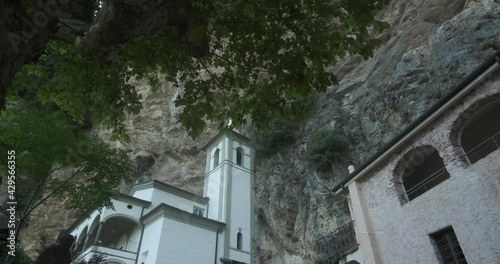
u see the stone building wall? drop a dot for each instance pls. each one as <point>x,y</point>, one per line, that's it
<point>467,201</point>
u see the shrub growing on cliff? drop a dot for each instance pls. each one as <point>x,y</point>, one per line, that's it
<point>274,137</point>
<point>326,146</point>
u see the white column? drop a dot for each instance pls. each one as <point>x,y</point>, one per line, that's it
<point>365,234</point>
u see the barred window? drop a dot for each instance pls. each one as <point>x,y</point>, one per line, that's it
<point>447,247</point>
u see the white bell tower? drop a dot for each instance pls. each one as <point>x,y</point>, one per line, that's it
<point>229,182</point>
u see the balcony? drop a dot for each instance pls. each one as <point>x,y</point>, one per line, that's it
<point>116,238</point>
<point>110,254</point>
<point>336,245</point>
<point>129,246</point>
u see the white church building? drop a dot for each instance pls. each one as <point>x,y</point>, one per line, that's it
<point>157,223</point>
<point>432,195</point>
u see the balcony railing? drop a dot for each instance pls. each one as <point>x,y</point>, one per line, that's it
<point>482,150</point>
<point>130,246</point>
<point>337,244</point>
<point>425,185</point>
<point>124,256</point>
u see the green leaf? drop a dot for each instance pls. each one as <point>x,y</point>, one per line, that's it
<point>249,11</point>
<point>210,26</point>
<point>197,34</point>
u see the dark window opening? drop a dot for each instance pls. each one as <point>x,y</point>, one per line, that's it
<point>481,134</point>
<point>447,247</point>
<point>240,153</point>
<point>424,170</point>
<point>216,158</point>
<point>81,240</point>
<point>116,233</point>
<point>239,241</point>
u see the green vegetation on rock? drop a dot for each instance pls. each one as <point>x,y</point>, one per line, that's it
<point>326,146</point>
<point>272,138</point>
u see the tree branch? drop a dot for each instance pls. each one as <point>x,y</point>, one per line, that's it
<point>212,77</point>
<point>57,189</point>
<point>28,212</point>
<point>237,64</point>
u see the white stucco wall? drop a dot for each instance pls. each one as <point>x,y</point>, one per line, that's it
<point>182,242</point>
<point>159,196</point>
<point>151,242</point>
<point>468,201</point>
<point>145,194</point>
<point>215,189</point>
<point>241,213</point>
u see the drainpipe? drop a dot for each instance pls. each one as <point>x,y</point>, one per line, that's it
<point>140,240</point>
<point>217,243</point>
<point>208,207</point>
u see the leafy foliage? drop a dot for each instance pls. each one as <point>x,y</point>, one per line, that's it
<point>80,87</point>
<point>325,146</point>
<point>264,56</point>
<point>54,158</point>
<point>20,258</point>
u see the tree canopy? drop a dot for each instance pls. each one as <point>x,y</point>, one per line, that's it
<point>54,158</point>
<point>232,59</point>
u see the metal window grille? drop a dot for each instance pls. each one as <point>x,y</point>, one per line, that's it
<point>337,244</point>
<point>482,150</point>
<point>425,185</point>
<point>448,248</point>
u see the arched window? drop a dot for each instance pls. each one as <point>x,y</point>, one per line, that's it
<point>421,169</point>
<point>116,233</point>
<point>81,240</point>
<point>240,154</point>
<point>480,134</point>
<point>216,157</point>
<point>239,241</point>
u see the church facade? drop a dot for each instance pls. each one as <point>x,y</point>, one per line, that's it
<point>159,223</point>
<point>432,194</point>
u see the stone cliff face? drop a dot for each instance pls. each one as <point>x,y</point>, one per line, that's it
<point>429,48</point>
